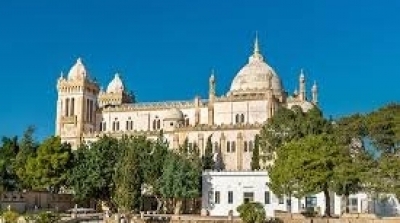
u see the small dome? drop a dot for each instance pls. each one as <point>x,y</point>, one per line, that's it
<point>77,71</point>
<point>116,85</point>
<point>255,77</point>
<point>173,114</point>
<point>305,105</point>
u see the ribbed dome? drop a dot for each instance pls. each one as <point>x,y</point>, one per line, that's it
<point>116,85</point>
<point>255,77</point>
<point>173,114</point>
<point>77,71</point>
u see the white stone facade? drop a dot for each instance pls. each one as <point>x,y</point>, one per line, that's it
<point>224,191</point>
<point>85,112</point>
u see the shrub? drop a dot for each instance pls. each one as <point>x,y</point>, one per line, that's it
<point>10,216</point>
<point>252,212</point>
<point>44,217</point>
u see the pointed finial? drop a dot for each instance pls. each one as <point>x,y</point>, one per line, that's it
<point>62,74</point>
<point>256,45</point>
<point>314,87</point>
<point>301,73</point>
<point>79,60</point>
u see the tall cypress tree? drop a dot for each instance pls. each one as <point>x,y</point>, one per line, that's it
<point>255,159</point>
<point>128,177</point>
<point>207,159</point>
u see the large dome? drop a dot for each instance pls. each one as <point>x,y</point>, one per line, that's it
<point>77,71</point>
<point>256,77</point>
<point>116,85</point>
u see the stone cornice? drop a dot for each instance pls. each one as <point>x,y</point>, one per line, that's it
<point>198,128</point>
<point>65,85</point>
<point>151,106</point>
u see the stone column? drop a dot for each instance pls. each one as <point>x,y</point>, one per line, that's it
<point>197,111</point>
<point>239,151</point>
<point>201,144</point>
<point>175,141</point>
<point>222,145</point>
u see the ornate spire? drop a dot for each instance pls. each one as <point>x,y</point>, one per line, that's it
<point>314,87</point>
<point>314,91</point>
<point>212,83</point>
<point>212,76</point>
<point>301,73</point>
<point>256,57</point>
<point>256,45</point>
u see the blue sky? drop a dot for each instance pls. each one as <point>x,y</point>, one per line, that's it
<point>166,49</point>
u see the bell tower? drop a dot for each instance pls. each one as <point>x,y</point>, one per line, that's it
<point>76,105</point>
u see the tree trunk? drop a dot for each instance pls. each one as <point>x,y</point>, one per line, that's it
<point>178,206</point>
<point>327,202</point>
<point>346,196</point>
<point>159,203</point>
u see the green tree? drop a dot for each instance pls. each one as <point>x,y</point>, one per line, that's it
<point>49,169</point>
<point>152,163</point>
<point>353,175</point>
<point>128,176</point>
<point>92,174</point>
<point>384,128</point>
<point>311,164</point>
<point>180,180</point>
<point>291,124</point>
<point>27,150</point>
<point>207,158</point>
<point>8,152</point>
<point>252,212</point>
<point>387,175</point>
<point>255,159</point>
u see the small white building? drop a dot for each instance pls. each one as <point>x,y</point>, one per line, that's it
<point>224,191</point>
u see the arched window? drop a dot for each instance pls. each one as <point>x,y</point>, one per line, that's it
<point>158,124</point>
<point>245,146</point>
<point>104,126</point>
<point>233,146</point>
<point>187,122</point>
<point>154,124</point>
<point>72,107</point>
<point>67,107</point>
<point>237,118</point>
<point>242,118</point>
<point>228,146</point>
<point>251,146</point>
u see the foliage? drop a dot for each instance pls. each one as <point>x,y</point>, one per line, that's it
<point>152,164</point>
<point>255,159</point>
<point>10,216</point>
<point>308,166</point>
<point>384,128</point>
<point>49,169</point>
<point>388,176</point>
<point>92,174</point>
<point>44,217</point>
<point>8,152</point>
<point>27,150</point>
<point>180,179</point>
<point>291,124</point>
<point>128,176</point>
<point>207,158</point>
<point>252,212</point>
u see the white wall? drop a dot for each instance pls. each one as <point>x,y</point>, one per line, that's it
<point>256,181</point>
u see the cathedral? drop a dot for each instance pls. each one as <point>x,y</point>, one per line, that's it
<point>86,112</point>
